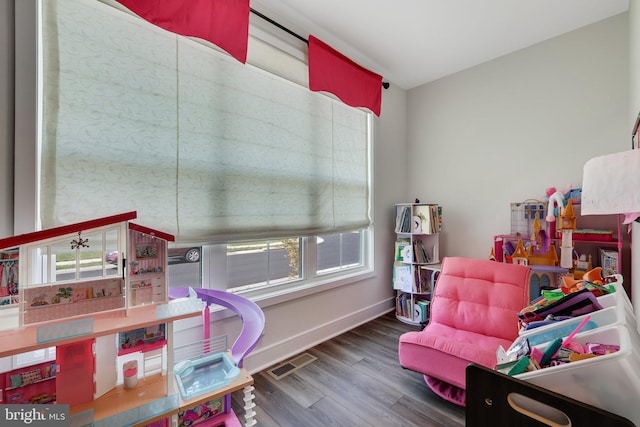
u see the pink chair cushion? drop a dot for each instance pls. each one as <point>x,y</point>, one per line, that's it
<point>473,311</point>
<point>480,296</point>
<point>443,352</point>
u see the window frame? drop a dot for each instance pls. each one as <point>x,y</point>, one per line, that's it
<point>214,271</point>
<point>28,125</point>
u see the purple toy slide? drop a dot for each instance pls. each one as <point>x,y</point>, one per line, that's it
<point>251,315</point>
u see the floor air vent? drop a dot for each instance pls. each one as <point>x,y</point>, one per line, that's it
<point>290,366</point>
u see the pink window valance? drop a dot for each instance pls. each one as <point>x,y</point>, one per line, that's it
<point>224,23</point>
<point>332,72</point>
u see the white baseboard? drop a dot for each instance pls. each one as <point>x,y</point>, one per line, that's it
<point>265,357</point>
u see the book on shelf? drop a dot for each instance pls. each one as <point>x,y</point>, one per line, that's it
<point>430,218</point>
<point>422,310</point>
<point>403,220</point>
<point>402,305</point>
<point>401,245</point>
<point>420,254</point>
<point>422,280</point>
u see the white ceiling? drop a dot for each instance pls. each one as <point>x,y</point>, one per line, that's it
<point>412,42</point>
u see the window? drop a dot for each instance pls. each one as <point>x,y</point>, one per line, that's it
<point>265,264</point>
<point>339,251</point>
<point>132,119</point>
<point>262,264</point>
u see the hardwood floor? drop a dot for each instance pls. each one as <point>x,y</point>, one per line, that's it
<point>355,381</point>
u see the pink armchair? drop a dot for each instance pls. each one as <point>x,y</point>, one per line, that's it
<point>473,311</point>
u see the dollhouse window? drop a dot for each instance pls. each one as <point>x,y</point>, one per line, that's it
<point>77,257</point>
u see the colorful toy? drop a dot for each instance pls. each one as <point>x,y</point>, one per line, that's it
<point>573,333</point>
<point>253,321</point>
<point>539,252</point>
<point>200,412</point>
<point>594,276</point>
<point>541,238</point>
<point>543,252</point>
<point>555,198</point>
<point>567,225</point>
<point>492,255</point>
<point>582,264</point>
<point>550,351</point>
<point>519,256</point>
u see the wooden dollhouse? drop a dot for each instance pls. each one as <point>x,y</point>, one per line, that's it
<point>79,309</point>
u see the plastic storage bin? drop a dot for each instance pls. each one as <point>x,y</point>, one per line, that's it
<point>619,297</point>
<point>610,316</point>
<point>616,310</point>
<point>610,382</point>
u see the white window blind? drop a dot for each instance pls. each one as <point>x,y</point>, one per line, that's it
<point>206,148</point>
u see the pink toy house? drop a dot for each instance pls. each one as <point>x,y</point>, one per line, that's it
<point>95,294</point>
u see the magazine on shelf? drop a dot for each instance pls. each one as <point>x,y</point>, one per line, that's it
<point>402,279</point>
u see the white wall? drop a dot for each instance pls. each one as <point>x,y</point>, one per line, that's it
<point>507,129</point>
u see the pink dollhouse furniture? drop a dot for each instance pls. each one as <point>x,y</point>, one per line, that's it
<point>473,311</point>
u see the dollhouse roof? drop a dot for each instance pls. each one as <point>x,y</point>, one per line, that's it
<point>150,231</point>
<point>520,252</point>
<point>567,217</point>
<point>12,242</point>
<point>568,210</point>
